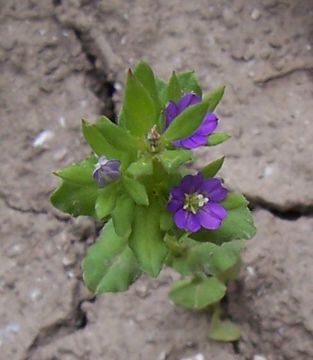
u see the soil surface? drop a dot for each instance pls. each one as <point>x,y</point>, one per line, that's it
<point>63,60</point>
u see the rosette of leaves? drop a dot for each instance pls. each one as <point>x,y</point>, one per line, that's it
<point>139,234</point>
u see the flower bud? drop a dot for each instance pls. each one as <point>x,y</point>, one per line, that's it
<point>153,138</point>
<point>106,171</point>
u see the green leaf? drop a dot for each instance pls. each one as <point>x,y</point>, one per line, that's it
<point>145,75</point>
<point>172,159</point>
<point>197,293</point>
<point>162,91</point>
<point>136,190</point>
<point>116,136</point>
<point>213,167</point>
<point>75,199</point>
<point>186,122</point>
<point>106,200</point>
<point>217,138</point>
<point>197,257</point>
<point>146,239</point>
<point>139,113</point>
<point>227,255</point>
<point>224,330</point>
<point>123,215</point>
<point>231,273</point>
<point>97,141</point>
<point>214,97</point>
<point>234,200</point>
<point>142,167</point>
<point>79,173</point>
<point>175,247</point>
<point>237,225</point>
<point>166,222</point>
<point>183,171</point>
<point>110,265</point>
<point>174,91</point>
<point>189,82</point>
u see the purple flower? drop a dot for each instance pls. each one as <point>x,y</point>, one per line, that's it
<point>106,171</point>
<point>200,135</point>
<point>195,203</point>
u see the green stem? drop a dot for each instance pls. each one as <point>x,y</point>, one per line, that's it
<point>173,245</point>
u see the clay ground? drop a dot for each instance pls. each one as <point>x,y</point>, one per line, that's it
<point>61,60</point>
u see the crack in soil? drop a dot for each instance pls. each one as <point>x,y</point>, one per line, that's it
<point>99,55</point>
<point>100,85</point>
<point>74,321</point>
<point>33,211</point>
<point>306,66</point>
<point>59,217</point>
<point>285,212</point>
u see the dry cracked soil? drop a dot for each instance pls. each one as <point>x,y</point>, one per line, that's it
<point>62,60</point>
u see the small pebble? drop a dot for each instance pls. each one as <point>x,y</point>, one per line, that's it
<point>250,270</point>
<point>275,42</point>
<point>229,18</point>
<point>117,86</point>
<point>255,14</point>
<point>268,171</point>
<point>14,250</point>
<point>150,339</point>
<point>42,138</point>
<point>35,294</point>
<point>69,260</point>
<point>60,154</point>
<point>191,344</point>
<point>196,357</point>
<point>259,357</point>
<point>62,121</point>
<point>162,356</point>
<point>9,330</point>
<point>265,53</point>
<point>70,274</point>
<point>142,291</point>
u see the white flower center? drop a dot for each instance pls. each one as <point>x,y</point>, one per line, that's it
<point>194,201</point>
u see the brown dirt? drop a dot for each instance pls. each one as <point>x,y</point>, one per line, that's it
<point>59,62</point>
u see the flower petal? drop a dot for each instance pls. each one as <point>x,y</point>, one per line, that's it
<point>177,193</point>
<point>210,185</point>
<point>191,183</point>
<point>211,216</point>
<point>113,164</point>
<point>174,205</point>
<point>171,111</point>
<point>208,125</point>
<point>106,171</point>
<point>217,210</point>
<point>193,141</point>
<point>199,136</point>
<point>187,100</point>
<point>187,221</point>
<point>218,194</point>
